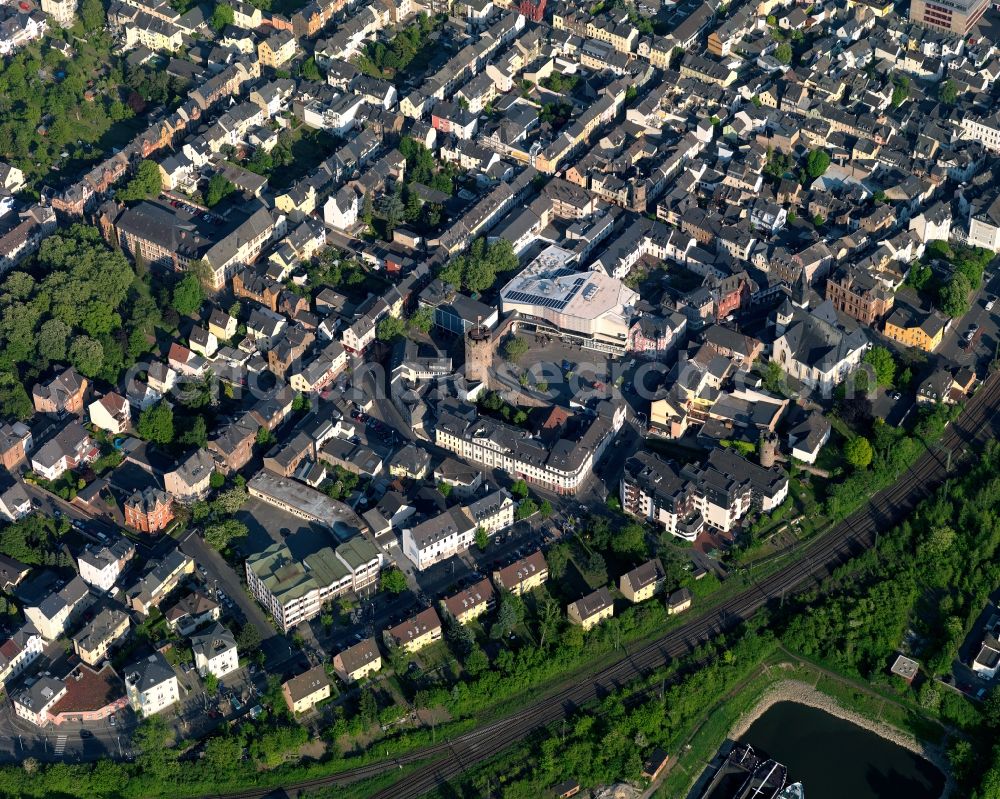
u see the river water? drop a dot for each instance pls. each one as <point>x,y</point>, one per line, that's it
<point>835,759</point>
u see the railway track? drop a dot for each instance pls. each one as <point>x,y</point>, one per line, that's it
<point>818,560</point>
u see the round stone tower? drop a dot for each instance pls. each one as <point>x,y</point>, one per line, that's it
<point>478,355</point>
<point>768,450</point>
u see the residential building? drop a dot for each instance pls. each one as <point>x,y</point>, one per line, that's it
<point>148,511</point>
<point>152,588</point>
<point>14,502</point>
<point>679,601</point>
<point>304,692</point>
<point>357,662</point>
<point>18,652</point>
<point>151,685</point>
<point>94,641</point>
<point>642,582</point>
<point>913,327</point>
<point>560,464</point>
<point>100,567</point>
<point>71,447</point>
<point>12,572</point>
<point>470,603</point>
<point>416,632</point>
<point>190,481</point>
<point>54,612</point>
<point>33,701</point>
<point>277,50</point>
<point>808,437</point>
<point>192,611</point>
<point>522,575</point>
<point>64,393</point>
<point>464,479</point>
<point>15,444</point>
<point>110,413</point>
<point>857,293</point>
<point>493,512</point>
<point>411,461</point>
<point>655,490</point>
<point>440,537</point>
<point>214,651</point>
<point>592,609</point>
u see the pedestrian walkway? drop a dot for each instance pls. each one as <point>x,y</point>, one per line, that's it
<point>60,746</point>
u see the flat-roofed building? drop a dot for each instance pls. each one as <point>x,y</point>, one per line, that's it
<point>294,591</point>
<point>590,309</point>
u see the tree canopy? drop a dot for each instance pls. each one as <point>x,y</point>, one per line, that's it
<point>477,269</point>
<point>146,183</point>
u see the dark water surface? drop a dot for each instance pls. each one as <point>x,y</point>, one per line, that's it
<point>835,759</point>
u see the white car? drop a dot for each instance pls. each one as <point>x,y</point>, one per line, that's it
<point>989,304</point>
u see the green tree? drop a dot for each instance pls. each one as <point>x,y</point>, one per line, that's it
<point>188,295</point>
<point>948,92</point>
<point>558,559</point>
<point>14,400</point>
<point>309,70</point>
<point>211,684</point>
<point>145,184</point>
<point>52,338</point>
<point>884,364</point>
<point>515,348</point>
<point>229,502</point>
<point>422,319</point>
<point>858,452</point>
<point>217,480</point>
<point>222,15</point>
<point>900,90</point>
<point>219,535</point>
<point>527,507</point>
<point>390,328</point>
<point>156,424</point>
<point>393,581</point>
<point>92,15</point>
<point>783,53</point>
<point>817,162</point>
<point>774,379</point>
<point>219,186</point>
<point>519,489</point>
<point>482,539</point>
<point>248,638</point>
<point>629,540</point>
<point>510,612</point>
<point>953,296</point>
<point>87,355</point>
<point>196,435</point>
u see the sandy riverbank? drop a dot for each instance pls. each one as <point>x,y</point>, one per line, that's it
<point>805,694</point>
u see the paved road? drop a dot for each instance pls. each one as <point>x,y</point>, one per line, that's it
<point>220,574</point>
<point>988,321</point>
